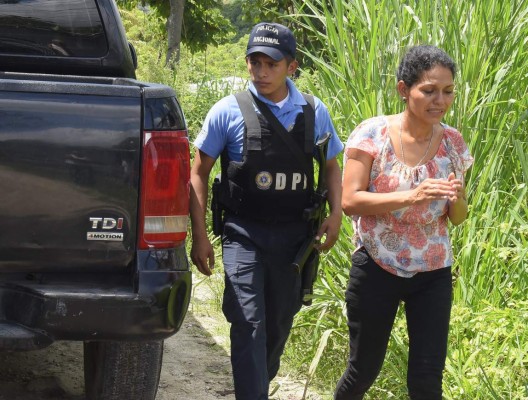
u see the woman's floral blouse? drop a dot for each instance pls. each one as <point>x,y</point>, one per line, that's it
<point>412,239</point>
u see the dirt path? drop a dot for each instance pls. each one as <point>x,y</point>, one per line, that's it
<point>195,366</point>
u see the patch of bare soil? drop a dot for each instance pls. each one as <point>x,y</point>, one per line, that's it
<point>196,365</point>
<point>207,335</point>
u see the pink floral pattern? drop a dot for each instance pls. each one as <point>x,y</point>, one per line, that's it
<point>413,239</point>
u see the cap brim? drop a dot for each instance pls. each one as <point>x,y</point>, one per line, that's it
<point>277,55</point>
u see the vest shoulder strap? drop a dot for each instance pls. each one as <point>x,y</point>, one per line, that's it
<point>309,99</point>
<point>245,102</point>
<point>309,121</point>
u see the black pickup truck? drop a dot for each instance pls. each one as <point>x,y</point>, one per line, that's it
<point>94,195</point>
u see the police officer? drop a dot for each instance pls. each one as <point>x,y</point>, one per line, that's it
<point>267,179</point>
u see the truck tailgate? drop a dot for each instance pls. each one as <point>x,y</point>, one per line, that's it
<point>69,174</point>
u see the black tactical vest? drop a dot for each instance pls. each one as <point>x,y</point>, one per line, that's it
<point>274,181</point>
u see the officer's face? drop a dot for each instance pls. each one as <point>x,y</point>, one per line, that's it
<point>269,76</point>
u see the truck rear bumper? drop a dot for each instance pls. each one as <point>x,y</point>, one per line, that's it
<point>87,308</point>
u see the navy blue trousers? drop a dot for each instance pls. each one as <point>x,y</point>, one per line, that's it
<point>372,297</point>
<point>261,298</point>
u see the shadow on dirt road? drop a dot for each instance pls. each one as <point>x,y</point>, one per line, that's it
<point>194,367</point>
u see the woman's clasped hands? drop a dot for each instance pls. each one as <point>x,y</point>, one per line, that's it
<point>431,189</point>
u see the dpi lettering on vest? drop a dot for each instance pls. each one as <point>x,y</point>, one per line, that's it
<point>296,181</point>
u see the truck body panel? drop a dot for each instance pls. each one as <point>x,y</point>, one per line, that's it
<point>78,260</point>
<point>69,167</point>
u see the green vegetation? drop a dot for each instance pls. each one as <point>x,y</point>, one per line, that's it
<point>192,77</point>
<point>354,47</point>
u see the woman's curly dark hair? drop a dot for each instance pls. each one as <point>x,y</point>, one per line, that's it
<point>419,59</point>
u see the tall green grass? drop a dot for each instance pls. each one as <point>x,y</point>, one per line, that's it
<point>355,47</point>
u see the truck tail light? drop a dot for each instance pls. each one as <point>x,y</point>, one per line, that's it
<point>164,190</point>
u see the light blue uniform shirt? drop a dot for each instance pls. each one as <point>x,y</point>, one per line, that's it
<point>224,126</point>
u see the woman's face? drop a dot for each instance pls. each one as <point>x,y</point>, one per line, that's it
<point>429,99</point>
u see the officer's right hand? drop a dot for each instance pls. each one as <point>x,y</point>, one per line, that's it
<point>202,255</point>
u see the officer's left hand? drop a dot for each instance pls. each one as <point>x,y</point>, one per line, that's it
<point>202,254</point>
<point>329,231</point>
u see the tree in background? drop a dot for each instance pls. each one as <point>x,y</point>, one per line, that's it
<point>197,23</point>
<point>174,30</point>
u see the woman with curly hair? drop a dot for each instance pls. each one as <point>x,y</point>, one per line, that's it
<point>403,181</point>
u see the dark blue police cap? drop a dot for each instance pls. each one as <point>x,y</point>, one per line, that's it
<point>274,40</point>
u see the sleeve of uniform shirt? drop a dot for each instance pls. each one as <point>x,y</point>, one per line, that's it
<point>323,124</point>
<point>218,128</point>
